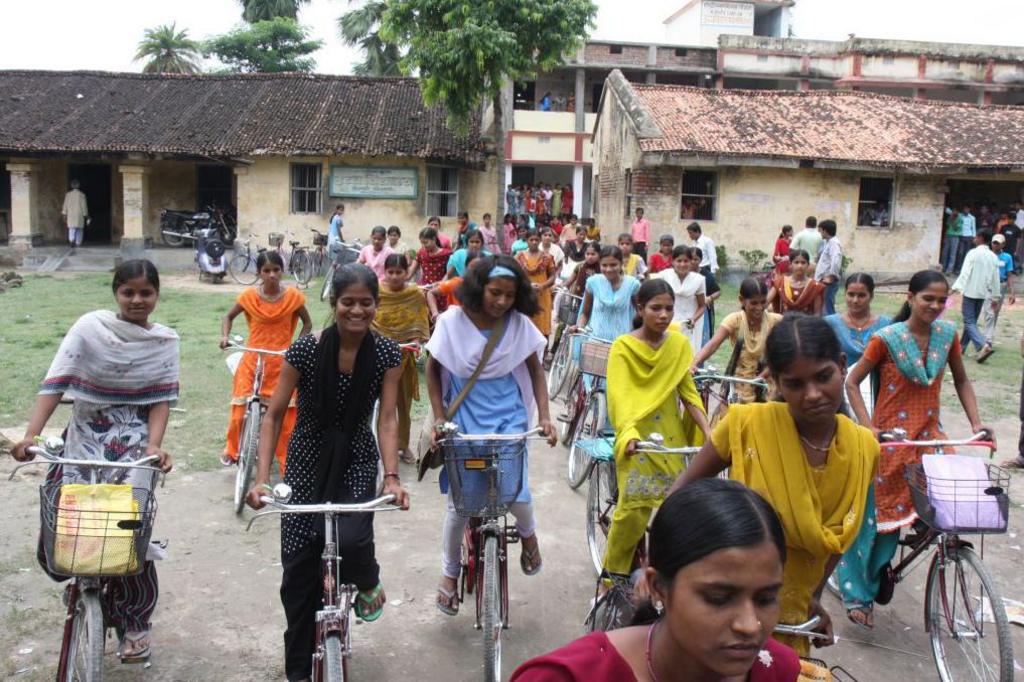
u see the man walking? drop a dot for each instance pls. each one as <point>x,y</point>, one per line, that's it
<point>809,239</point>
<point>993,304</point>
<point>830,264</point>
<point>978,280</point>
<point>968,231</point>
<point>75,214</point>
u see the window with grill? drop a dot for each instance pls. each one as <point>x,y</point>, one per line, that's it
<point>442,191</point>
<point>307,187</point>
<point>699,196</point>
<point>629,193</point>
<point>874,206</point>
<point>615,49</point>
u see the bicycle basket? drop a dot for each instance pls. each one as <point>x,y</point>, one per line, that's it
<point>319,239</point>
<point>594,358</point>
<point>484,477</point>
<point>275,239</point>
<point>976,503</point>
<point>569,309</point>
<point>95,530</point>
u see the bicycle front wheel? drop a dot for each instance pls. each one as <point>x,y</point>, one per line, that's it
<point>242,269</point>
<point>325,292</point>
<point>601,500</point>
<point>300,267</point>
<point>590,425</point>
<point>966,620</point>
<point>334,661</point>
<point>492,623</point>
<point>613,610</point>
<point>247,451</point>
<point>85,654</point>
<point>559,368</point>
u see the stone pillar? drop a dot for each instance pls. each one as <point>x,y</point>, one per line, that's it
<point>508,181</point>
<point>581,100</point>
<point>577,190</point>
<point>135,195</point>
<point>650,78</point>
<point>25,231</point>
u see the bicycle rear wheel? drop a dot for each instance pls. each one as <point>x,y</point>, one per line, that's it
<point>492,623</point>
<point>300,267</point>
<point>334,661</point>
<point>85,654</point>
<point>613,610</point>
<point>248,447</point>
<point>559,371</point>
<point>242,269</point>
<point>601,499</point>
<point>325,292</point>
<point>960,600</point>
<point>575,403</point>
<point>590,425</point>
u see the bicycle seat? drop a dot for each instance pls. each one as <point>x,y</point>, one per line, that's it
<point>293,244</point>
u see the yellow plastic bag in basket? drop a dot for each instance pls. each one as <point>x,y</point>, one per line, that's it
<point>90,537</point>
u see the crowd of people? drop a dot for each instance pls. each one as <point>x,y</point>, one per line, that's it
<point>809,493</point>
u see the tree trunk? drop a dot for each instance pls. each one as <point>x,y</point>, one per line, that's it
<point>499,151</point>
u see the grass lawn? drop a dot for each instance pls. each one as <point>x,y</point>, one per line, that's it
<point>34,318</point>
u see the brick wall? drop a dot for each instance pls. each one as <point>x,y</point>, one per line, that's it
<point>694,57</point>
<point>599,53</point>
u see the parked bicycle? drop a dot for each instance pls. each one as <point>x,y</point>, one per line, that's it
<point>963,609</point>
<point>255,408</point>
<point>90,545</point>
<point>615,607</point>
<point>346,252</point>
<point>242,266</point>
<point>586,406</point>
<point>318,256</point>
<point>334,621</point>
<point>561,363</point>
<point>485,475</point>
<point>296,261</point>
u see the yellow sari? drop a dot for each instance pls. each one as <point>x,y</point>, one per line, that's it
<point>403,316</point>
<point>821,508</point>
<point>644,389</point>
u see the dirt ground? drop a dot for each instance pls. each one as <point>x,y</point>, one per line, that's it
<point>219,617</point>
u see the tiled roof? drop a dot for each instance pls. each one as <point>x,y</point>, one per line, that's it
<point>840,126</point>
<point>225,116</point>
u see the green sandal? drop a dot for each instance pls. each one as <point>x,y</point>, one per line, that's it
<point>363,602</point>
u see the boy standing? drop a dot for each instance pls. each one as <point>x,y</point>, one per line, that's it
<point>830,264</point>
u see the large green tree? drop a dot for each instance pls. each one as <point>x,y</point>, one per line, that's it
<point>360,27</point>
<point>168,50</point>
<point>265,46</point>
<point>265,10</point>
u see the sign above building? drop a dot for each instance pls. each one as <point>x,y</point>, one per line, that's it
<point>374,182</point>
<point>731,14</point>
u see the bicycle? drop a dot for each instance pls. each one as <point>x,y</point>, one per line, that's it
<point>242,266</point>
<point>562,362</point>
<point>809,630</point>
<point>587,406</point>
<point>255,408</point>
<point>297,262</point>
<point>959,592</point>
<point>485,473</point>
<point>716,400</point>
<point>615,607</point>
<point>89,546</point>
<point>318,256</point>
<point>333,644</point>
<point>346,253</point>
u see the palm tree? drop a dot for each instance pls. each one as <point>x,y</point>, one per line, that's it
<point>361,28</point>
<point>265,10</point>
<point>168,51</point>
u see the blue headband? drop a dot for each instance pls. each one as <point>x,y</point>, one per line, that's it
<point>501,271</point>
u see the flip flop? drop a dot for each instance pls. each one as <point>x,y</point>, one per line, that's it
<point>526,560</point>
<point>452,607</point>
<point>226,461</point>
<point>867,610</point>
<point>139,656</point>
<point>985,354</point>
<point>363,602</point>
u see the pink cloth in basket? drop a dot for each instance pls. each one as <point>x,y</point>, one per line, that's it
<point>956,489</point>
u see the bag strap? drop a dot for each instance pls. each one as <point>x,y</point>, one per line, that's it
<point>492,342</point>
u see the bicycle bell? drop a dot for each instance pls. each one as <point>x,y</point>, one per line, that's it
<point>282,492</point>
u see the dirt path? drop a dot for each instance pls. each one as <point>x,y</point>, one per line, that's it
<point>219,617</point>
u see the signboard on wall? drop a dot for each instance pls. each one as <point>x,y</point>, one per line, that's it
<point>727,14</point>
<point>374,182</point>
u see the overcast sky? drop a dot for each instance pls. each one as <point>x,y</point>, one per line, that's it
<point>71,34</point>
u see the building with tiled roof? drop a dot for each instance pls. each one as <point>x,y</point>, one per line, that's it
<point>744,163</point>
<point>282,148</point>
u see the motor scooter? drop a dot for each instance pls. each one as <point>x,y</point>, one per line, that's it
<point>209,253</point>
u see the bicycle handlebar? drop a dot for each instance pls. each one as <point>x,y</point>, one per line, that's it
<point>805,629</point>
<point>279,507</point>
<point>897,438</point>
<point>246,349</point>
<point>702,376</point>
<point>648,447</point>
<point>450,432</point>
<point>48,457</point>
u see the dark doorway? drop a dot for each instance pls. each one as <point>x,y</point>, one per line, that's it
<point>213,187</point>
<point>5,205</point>
<point>94,180</point>
<point>522,175</point>
<point>524,96</point>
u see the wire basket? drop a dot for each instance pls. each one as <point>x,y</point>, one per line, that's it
<point>275,239</point>
<point>961,506</point>
<point>484,477</point>
<point>594,358</point>
<point>569,309</point>
<point>95,530</point>
<point>319,239</point>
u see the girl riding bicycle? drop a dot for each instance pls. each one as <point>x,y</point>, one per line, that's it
<point>497,298</point>
<point>910,356</point>
<point>403,316</point>
<point>690,291</point>
<point>608,299</point>
<point>272,312</point>
<point>540,269</point>
<point>715,573</point>
<point>814,466</point>
<point>648,375</point>
<point>121,371</point>
<point>332,456</point>
<point>376,252</point>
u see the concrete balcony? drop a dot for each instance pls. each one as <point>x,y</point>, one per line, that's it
<point>550,121</point>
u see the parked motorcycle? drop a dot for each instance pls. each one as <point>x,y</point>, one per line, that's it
<point>177,226</point>
<point>209,252</point>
